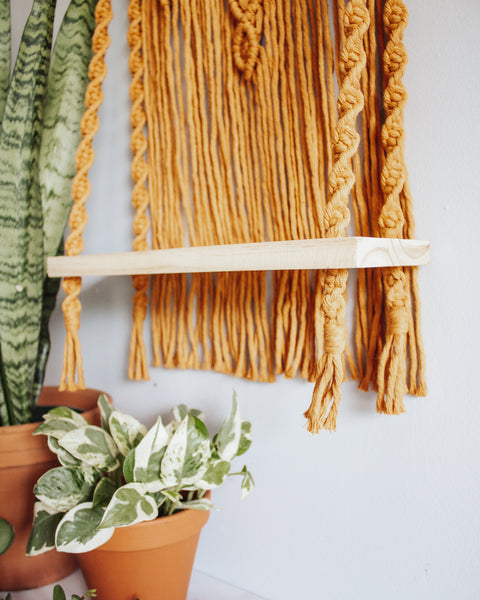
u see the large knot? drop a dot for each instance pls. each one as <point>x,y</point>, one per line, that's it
<point>397,302</point>
<point>248,32</point>
<point>395,16</point>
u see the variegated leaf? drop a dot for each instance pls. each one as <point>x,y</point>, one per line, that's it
<point>42,535</point>
<point>63,412</point>
<point>56,428</point>
<point>228,438</point>
<point>215,475</point>
<point>200,504</point>
<point>78,530</point>
<point>129,505</point>
<point>247,482</point>
<point>182,410</point>
<point>103,492</point>
<point>62,488</point>
<point>149,453</point>
<point>93,446</point>
<point>126,431</point>
<point>245,438</point>
<point>187,455</point>
<point>105,411</point>
<point>65,458</point>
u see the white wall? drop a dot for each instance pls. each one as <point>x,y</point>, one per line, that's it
<point>388,506</point>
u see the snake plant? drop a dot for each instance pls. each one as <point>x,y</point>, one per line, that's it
<point>41,104</point>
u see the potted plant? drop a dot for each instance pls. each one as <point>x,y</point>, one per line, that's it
<point>41,105</point>
<point>132,502</point>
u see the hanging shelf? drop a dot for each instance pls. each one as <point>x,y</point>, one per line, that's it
<point>331,253</point>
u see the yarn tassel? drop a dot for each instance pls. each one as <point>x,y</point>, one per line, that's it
<point>137,368</point>
<point>322,413</point>
<point>72,360</point>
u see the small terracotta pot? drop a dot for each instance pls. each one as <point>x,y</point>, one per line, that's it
<point>23,459</point>
<point>148,561</point>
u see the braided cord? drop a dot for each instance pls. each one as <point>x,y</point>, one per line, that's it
<point>391,371</point>
<point>137,368</point>
<point>74,244</point>
<point>323,409</point>
<point>246,39</point>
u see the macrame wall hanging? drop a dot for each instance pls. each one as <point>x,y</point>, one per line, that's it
<point>256,122</point>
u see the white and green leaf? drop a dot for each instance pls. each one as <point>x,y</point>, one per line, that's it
<point>199,504</point>
<point>215,475</point>
<point>56,428</point>
<point>93,446</point>
<point>79,531</point>
<point>228,439</point>
<point>129,505</point>
<point>63,412</point>
<point>65,458</point>
<point>187,455</point>
<point>103,492</point>
<point>247,482</point>
<point>106,410</point>
<point>182,410</point>
<point>245,438</point>
<point>62,488</point>
<point>127,431</point>
<point>42,535</point>
<point>147,456</point>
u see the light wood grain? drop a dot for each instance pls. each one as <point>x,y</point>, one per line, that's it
<point>337,253</point>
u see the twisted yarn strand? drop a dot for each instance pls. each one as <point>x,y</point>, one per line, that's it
<point>323,409</point>
<point>72,359</point>
<point>137,368</point>
<point>246,38</point>
<point>391,373</point>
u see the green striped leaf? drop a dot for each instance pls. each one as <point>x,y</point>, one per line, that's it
<point>5,50</point>
<point>64,108</point>
<point>21,223</point>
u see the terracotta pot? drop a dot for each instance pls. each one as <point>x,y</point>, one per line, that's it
<point>148,561</point>
<point>23,458</point>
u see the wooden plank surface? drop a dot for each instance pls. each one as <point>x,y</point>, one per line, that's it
<point>335,253</point>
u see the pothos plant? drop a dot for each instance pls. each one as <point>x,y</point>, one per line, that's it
<point>120,474</point>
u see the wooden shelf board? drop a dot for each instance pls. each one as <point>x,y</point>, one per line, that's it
<point>334,253</point>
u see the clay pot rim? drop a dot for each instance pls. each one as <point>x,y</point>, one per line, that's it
<point>162,531</point>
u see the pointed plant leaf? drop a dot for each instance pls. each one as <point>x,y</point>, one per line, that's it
<point>245,438</point>
<point>69,414</point>
<point>228,439</point>
<point>127,431</point>
<point>247,482</point>
<point>187,454</point>
<point>149,453</point>
<point>182,410</point>
<point>103,492</point>
<point>62,488</point>
<point>6,535</point>
<point>215,475</point>
<point>200,504</point>
<point>64,108</point>
<point>129,505</point>
<point>93,446</point>
<point>58,593</point>
<point>22,270</point>
<point>105,411</point>
<point>64,458</point>
<point>78,530</point>
<point>56,428</point>
<point>42,535</point>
